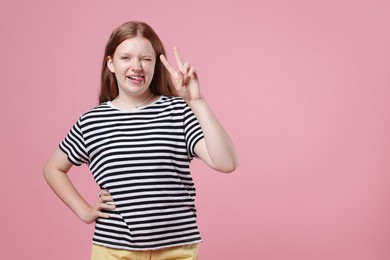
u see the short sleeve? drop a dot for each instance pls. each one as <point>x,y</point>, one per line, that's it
<point>192,131</point>
<point>74,145</point>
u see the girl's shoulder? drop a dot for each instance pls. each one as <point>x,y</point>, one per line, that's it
<point>173,100</point>
<point>100,109</point>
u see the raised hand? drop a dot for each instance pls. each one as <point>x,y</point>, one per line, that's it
<point>186,79</point>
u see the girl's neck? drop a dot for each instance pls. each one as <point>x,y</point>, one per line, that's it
<point>133,102</point>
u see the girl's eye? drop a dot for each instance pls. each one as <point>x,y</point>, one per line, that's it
<point>124,58</point>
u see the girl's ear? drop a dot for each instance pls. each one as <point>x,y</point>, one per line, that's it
<point>110,64</point>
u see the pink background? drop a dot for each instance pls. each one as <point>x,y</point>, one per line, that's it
<point>303,88</point>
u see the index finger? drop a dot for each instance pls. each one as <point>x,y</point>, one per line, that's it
<point>167,64</point>
<point>178,57</point>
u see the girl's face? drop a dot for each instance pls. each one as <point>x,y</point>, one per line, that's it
<point>133,65</point>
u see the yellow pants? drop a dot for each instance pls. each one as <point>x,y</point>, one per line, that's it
<point>186,252</point>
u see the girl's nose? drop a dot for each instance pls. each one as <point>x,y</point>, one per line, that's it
<point>136,65</point>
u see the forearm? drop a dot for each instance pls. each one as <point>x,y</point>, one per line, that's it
<point>220,149</point>
<point>65,190</point>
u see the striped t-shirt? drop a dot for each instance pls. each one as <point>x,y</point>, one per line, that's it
<point>142,158</point>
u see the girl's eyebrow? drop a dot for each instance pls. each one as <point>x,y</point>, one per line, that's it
<point>147,55</point>
<point>142,55</point>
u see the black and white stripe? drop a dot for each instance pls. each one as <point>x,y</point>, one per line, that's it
<point>142,157</point>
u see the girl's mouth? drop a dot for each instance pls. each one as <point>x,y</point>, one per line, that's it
<point>136,79</point>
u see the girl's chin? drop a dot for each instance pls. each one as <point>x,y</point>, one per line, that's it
<point>134,90</point>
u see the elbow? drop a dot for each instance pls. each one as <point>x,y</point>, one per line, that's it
<point>228,167</point>
<point>46,173</point>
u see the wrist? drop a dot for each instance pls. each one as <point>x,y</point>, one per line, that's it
<point>83,213</point>
<point>196,101</point>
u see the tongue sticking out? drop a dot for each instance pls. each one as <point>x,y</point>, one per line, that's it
<point>136,79</point>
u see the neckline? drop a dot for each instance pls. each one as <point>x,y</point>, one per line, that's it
<point>110,103</point>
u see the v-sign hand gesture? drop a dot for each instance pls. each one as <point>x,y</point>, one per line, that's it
<point>186,79</point>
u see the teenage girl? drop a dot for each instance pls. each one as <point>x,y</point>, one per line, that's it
<point>138,143</point>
